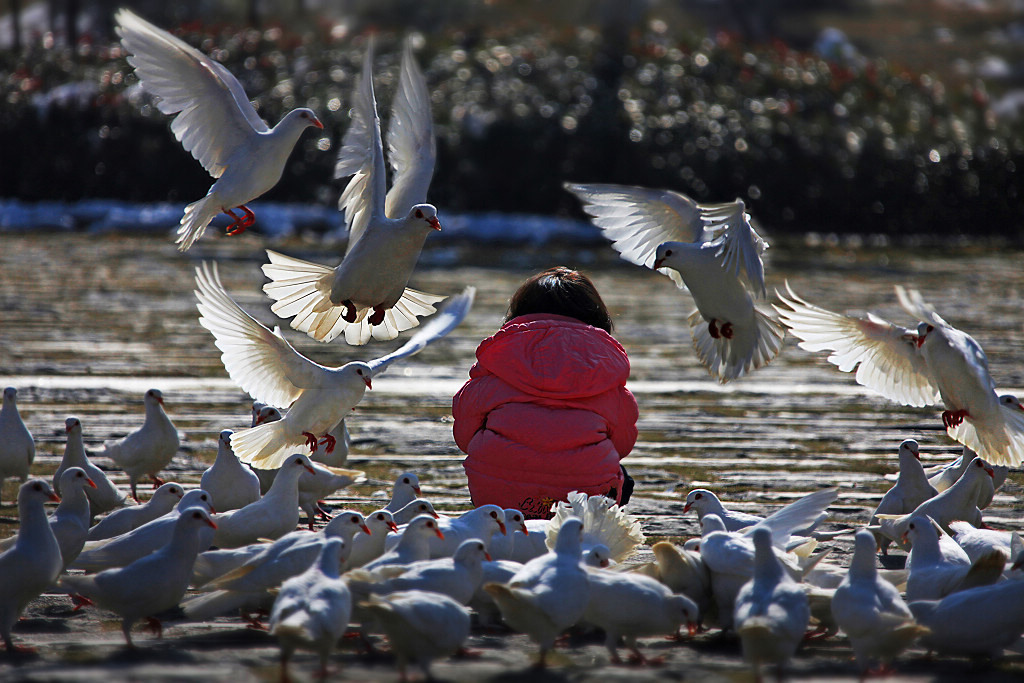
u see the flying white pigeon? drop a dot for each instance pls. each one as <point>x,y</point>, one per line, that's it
<point>937,362</point>
<point>33,564</point>
<point>148,449</point>
<point>366,296</point>
<point>313,609</point>
<point>214,121</point>
<point>266,366</point>
<point>713,251</point>
<point>17,448</point>
<point>870,610</point>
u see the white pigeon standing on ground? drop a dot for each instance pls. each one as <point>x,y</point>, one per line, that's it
<point>501,545</point>
<point>272,516</point>
<point>232,484</point>
<point>17,447</point>
<point>711,250</point>
<point>631,605</point>
<point>33,564</point>
<point>934,569</point>
<point>323,482</point>
<point>420,626</point>
<point>119,551</point>
<point>366,295</point>
<point>772,611</point>
<point>106,496</point>
<point>70,521</point>
<point>683,571</point>
<point>214,121</point>
<point>405,490</point>
<point>910,490</point>
<point>151,584</point>
<point>979,621</point>
<point>266,366</point>
<point>870,610</point>
<point>415,508</point>
<point>413,546</point>
<point>148,449</point>
<point>480,523</point>
<point>124,520</point>
<point>937,362</point>
<point>368,547</point>
<point>550,593</point>
<point>946,475</point>
<point>457,576</point>
<point>312,609</point>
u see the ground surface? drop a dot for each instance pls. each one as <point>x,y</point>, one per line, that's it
<point>89,322</point>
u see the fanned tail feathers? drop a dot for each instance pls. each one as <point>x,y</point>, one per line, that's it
<point>604,522</point>
<point>724,358</point>
<point>193,224</point>
<point>1004,446</point>
<point>302,291</point>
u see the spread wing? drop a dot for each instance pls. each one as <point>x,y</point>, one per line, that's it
<point>889,360</point>
<point>362,157</point>
<point>261,362</point>
<point>914,304</point>
<point>443,322</point>
<point>739,245</point>
<point>411,146</point>
<point>637,220</point>
<point>214,116</point>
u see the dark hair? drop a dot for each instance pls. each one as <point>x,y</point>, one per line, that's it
<point>562,291</point>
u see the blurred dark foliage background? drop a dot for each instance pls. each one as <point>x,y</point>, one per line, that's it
<point>719,105</point>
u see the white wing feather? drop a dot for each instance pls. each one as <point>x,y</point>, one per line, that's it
<point>262,363</point>
<point>412,149</point>
<point>888,358</point>
<point>637,220</point>
<point>446,320</point>
<point>214,116</point>
<point>362,157</point>
<point>739,244</point>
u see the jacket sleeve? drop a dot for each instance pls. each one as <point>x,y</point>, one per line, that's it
<point>622,428</point>
<point>470,406</point>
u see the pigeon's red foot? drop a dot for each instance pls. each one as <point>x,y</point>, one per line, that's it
<point>726,330</point>
<point>154,625</point>
<point>310,441</point>
<point>349,314</point>
<point>13,649</point>
<point>329,442</point>
<point>241,222</point>
<point>713,329</point>
<point>157,481</point>
<point>378,315</point>
<point>953,418</point>
<point>81,601</point>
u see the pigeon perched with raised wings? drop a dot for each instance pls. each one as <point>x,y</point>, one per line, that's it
<point>366,296</point>
<point>937,362</point>
<point>214,121</point>
<point>713,251</point>
<point>266,366</point>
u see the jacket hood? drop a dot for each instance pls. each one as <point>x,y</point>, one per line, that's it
<point>554,356</point>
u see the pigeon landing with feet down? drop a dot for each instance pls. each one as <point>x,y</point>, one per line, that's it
<point>214,121</point>
<point>366,296</point>
<point>266,366</point>
<point>713,251</point>
<point>936,362</point>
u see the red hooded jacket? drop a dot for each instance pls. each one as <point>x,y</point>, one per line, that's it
<point>545,412</point>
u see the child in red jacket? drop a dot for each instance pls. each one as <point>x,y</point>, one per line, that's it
<point>546,410</point>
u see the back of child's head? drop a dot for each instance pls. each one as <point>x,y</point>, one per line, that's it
<point>562,291</point>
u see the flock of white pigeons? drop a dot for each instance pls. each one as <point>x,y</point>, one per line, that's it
<point>414,574</point>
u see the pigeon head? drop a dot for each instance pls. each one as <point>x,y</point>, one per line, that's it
<point>910,446</point>
<point>923,330</point>
<point>408,479</point>
<point>153,396</point>
<point>347,523</point>
<point>10,393</point>
<point>514,519</point>
<point>598,556</point>
<point>301,119</point>
<point>685,610</point>
<point>701,500</point>
<point>36,489</point>
<point>359,370</point>
<point>75,476</point>
<point>426,213</point>
<point>196,498</point>
<point>666,254</point>
<point>1011,401</point>
<point>72,423</point>
<point>382,521</point>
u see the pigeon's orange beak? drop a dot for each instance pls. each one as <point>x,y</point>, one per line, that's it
<point>439,533</point>
<point>659,263</point>
<point>366,529</point>
<point>691,628</point>
<point>524,529</point>
<point>501,525</point>
<point>211,523</point>
<point>90,482</point>
<point>369,385</point>
<point>991,472</point>
<point>487,556</point>
<point>310,470</point>
<point>392,526</point>
<point>686,508</point>
<point>54,497</point>
<point>604,563</point>
<point>435,224</point>
<point>416,490</point>
<point>316,122</point>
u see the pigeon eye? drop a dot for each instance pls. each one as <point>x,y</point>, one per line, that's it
<point>195,515</point>
<point>668,252</point>
<point>37,487</point>
<point>698,496</point>
<point>419,213</point>
<point>405,481</point>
